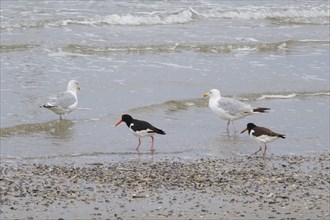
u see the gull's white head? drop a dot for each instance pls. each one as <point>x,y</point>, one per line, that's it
<point>213,93</point>
<point>73,86</point>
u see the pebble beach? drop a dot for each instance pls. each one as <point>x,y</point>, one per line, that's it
<point>280,187</point>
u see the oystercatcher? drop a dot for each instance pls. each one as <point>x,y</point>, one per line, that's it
<point>65,102</point>
<point>230,109</point>
<point>261,135</point>
<point>140,129</point>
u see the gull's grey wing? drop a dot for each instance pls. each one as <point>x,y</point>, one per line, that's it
<point>63,100</point>
<point>233,106</point>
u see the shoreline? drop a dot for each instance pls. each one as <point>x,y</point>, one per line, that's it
<point>206,188</point>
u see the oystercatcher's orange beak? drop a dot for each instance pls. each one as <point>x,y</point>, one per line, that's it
<point>120,121</point>
<point>244,130</point>
<point>206,94</point>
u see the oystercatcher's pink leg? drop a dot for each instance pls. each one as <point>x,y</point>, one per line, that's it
<point>255,153</point>
<point>152,143</point>
<point>137,148</point>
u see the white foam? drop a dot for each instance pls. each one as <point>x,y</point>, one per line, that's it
<point>277,96</point>
<point>300,14</point>
<point>189,104</point>
<point>318,14</point>
<point>184,16</point>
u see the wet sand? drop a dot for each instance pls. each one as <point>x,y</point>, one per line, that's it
<point>294,187</point>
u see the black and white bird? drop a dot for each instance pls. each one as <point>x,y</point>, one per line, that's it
<point>65,102</point>
<point>262,136</point>
<point>230,109</point>
<point>140,129</point>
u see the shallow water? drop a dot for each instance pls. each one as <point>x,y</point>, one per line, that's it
<point>154,61</point>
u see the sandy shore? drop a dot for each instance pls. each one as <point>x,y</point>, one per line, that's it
<point>235,188</point>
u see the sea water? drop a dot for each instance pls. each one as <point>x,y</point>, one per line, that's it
<point>154,60</point>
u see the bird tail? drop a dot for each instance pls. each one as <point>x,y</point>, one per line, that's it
<point>281,136</point>
<point>45,106</point>
<point>262,110</point>
<point>159,131</point>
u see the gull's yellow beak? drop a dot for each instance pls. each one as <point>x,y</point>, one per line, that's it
<point>206,94</point>
<point>244,130</point>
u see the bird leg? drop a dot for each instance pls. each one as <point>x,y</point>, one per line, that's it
<point>255,152</point>
<point>264,155</point>
<point>60,118</point>
<point>152,143</point>
<point>228,126</point>
<point>228,123</point>
<point>137,147</point>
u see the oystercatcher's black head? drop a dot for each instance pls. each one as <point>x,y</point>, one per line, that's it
<point>249,127</point>
<point>125,118</point>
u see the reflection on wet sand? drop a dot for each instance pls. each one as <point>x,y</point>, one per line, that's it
<point>142,157</point>
<point>61,130</point>
<point>56,128</point>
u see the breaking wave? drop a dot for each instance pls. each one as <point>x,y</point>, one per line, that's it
<point>181,17</point>
<point>243,45</point>
<point>317,14</point>
<point>183,105</point>
<point>16,47</point>
<point>177,47</point>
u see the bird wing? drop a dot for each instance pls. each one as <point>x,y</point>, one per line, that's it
<point>63,100</point>
<point>258,131</point>
<point>233,106</point>
<point>143,125</point>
